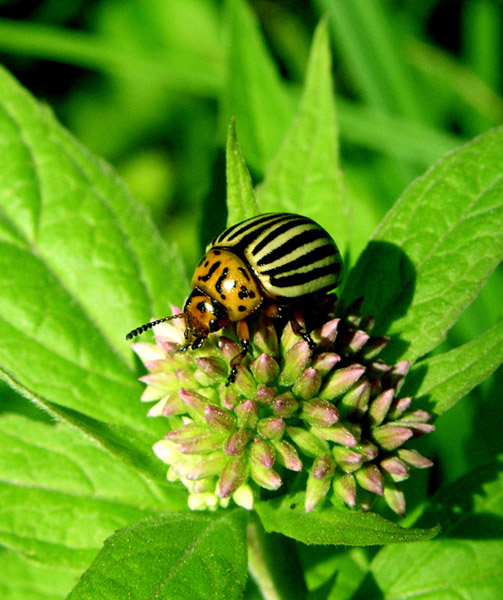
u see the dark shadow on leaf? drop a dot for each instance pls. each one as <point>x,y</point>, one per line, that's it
<point>454,507</point>
<point>325,591</point>
<point>368,589</point>
<point>411,387</point>
<point>386,278</point>
<point>12,402</point>
<point>215,214</point>
<point>487,439</point>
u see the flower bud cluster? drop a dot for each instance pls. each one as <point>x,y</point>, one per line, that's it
<point>333,416</point>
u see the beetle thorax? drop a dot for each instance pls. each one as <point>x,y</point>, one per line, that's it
<point>225,277</point>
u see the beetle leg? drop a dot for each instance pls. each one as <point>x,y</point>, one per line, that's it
<point>299,328</point>
<point>273,311</point>
<point>243,333</point>
<point>194,344</point>
<point>297,321</point>
<point>197,343</point>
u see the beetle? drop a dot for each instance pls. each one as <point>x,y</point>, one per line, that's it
<point>274,262</point>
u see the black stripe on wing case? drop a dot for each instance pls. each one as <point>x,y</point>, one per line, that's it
<point>303,238</point>
<point>277,231</point>
<point>298,279</point>
<point>319,253</point>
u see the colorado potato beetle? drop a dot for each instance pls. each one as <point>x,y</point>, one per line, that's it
<point>275,262</point>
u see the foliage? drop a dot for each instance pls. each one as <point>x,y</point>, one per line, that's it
<point>82,262</point>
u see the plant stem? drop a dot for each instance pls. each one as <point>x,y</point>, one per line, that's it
<point>273,563</point>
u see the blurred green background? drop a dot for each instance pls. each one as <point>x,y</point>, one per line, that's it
<point>150,85</point>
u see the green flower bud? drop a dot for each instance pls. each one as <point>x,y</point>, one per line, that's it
<point>369,478</point>
<point>232,476</point>
<point>264,477</point>
<point>308,384</point>
<point>345,487</point>
<point>340,381</point>
<point>319,412</point>
<point>296,361</point>
<point>284,405</point>
<point>309,444</point>
<point>337,403</point>
<point>265,369</point>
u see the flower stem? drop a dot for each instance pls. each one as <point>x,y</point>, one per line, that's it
<point>273,563</point>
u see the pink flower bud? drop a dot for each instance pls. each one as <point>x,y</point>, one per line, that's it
<point>202,444</point>
<point>266,339</point>
<point>355,401</point>
<point>319,412</point>
<point>287,455</point>
<point>369,450</point>
<point>398,407</point>
<point>325,362</point>
<point>349,460</point>
<point>265,395</point>
<point>194,402</point>
<point>308,384</point>
<point>316,490</point>
<point>394,498</point>
<point>345,487</point>
<point>391,436</point>
<point>228,348</point>
<point>369,478</point>
<point>323,467</point>
<point>262,452</point>
<point>219,419</point>
<point>326,334</point>
<point>237,442</point>
<point>340,381</point>
<point>398,373</point>
<point>213,367</point>
<point>296,360</point>
<point>355,341</point>
<point>336,433</point>
<point>395,468</point>
<point>209,466</point>
<point>266,478</point>
<point>247,414</point>
<point>380,406</point>
<point>271,428</point>
<point>373,347</point>
<point>265,369</point>
<point>187,432</point>
<point>414,459</point>
<point>230,398</point>
<point>233,475</point>
<point>285,405</point>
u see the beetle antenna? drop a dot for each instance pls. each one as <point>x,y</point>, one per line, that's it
<point>142,328</point>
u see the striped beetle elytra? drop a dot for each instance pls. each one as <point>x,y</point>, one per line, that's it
<point>272,262</point>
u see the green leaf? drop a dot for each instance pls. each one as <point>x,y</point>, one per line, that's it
<point>175,67</point>
<point>372,51</point>
<point>55,483</point>
<point>80,265</point>
<point>175,556</point>
<point>241,202</point>
<point>304,176</point>
<point>435,249</point>
<point>465,561</point>
<point>440,381</point>
<point>23,579</point>
<point>254,92</point>
<point>334,526</point>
